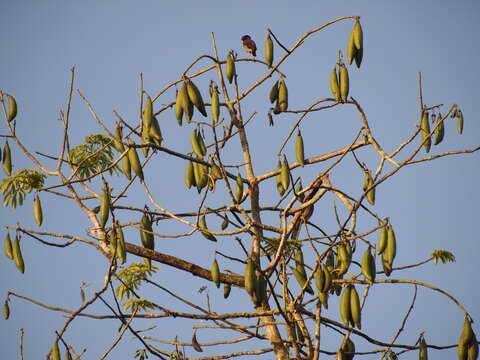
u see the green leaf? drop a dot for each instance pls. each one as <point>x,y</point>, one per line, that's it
<point>139,305</point>
<point>15,188</point>
<point>444,255</point>
<point>131,278</point>
<point>95,154</point>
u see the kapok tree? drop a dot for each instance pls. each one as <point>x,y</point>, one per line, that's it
<point>281,256</point>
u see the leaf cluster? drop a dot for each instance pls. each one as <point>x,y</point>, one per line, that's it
<point>15,188</point>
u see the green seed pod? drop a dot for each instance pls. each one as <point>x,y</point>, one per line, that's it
<point>147,237</point>
<point>250,278</point>
<point>185,104</point>
<point>135,162</point>
<point>225,222</point>
<point>299,149</point>
<point>194,140</point>
<point>17,255</point>
<point>7,159</point>
<point>201,143</point>
<point>200,172</point>
<point>345,311</point>
<point>387,266</point>
<point>391,249</point>
<point>203,224</point>
<point>320,279</point>
<point>239,188</point>
<point>358,57</point>
<point>6,311</point>
<point>344,82</point>
<point>189,175</point>
<point>195,97</point>
<point>231,72</point>
<point>7,247</point>
<point>358,34</point>
<point>55,352</point>
<point>355,310</point>
<point>343,260</point>
<point>269,51</point>
<point>472,352</point>
<point>117,140</point>
<point>215,172</point>
<point>439,130</point>
<point>369,183</point>
<point>226,290</point>
<point>12,108</point>
<point>273,96</point>
<point>155,133</point>
<point>328,279</point>
<point>382,241</point>
<point>323,297</point>
<point>37,211</point>
<point>285,175</point>
<point>302,280</point>
<point>126,167</point>
<point>334,88</point>
<point>148,114</point>
<point>425,129</point>
<point>368,266</point>
<point>459,121</point>
<point>104,206</point>
<point>179,108</point>
<point>195,343</point>
<point>278,178</point>
<point>215,270</point>
<point>282,96</point>
<point>215,104</point>
<point>121,251</point>
<point>422,350</point>
<point>351,49</point>
<point>260,289</point>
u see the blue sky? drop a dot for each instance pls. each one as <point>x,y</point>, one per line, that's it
<point>431,205</point>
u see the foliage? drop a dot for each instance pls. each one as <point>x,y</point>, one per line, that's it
<point>16,187</point>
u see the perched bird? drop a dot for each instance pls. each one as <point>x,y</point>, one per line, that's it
<point>249,45</point>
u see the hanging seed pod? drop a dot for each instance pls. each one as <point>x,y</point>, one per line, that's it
<point>215,104</point>
<point>121,251</point>
<point>225,222</point>
<point>231,72</point>
<point>189,175</point>
<point>117,140</point>
<point>195,97</point>
<point>368,266</point>
<point>344,82</point>
<point>200,172</point>
<point>387,266</point>
<point>359,57</point>
<point>299,149</point>
<point>135,162</point>
<point>195,343</point>
<point>201,143</point>
<point>422,350</point>
<point>273,96</point>
<point>278,178</point>
<point>369,183</point>
<point>194,140</point>
<point>269,51</point>
<point>12,108</point>
<point>104,206</point>
<point>215,172</point>
<point>239,188</point>
<point>355,310</point>
<point>439,130</point>
<point>146,236</point>
<point>345,311</point>
<point>323,297</point>
<point>55,352</point>
<point>179,107</point>
<point>260,289</point>
<point>6,310</point>
<point>472,351</point>
<point>282,95</point>
<point>302,280</point>
<point>285,174</point>
<point>7,159</point>
<point>37,211</point>
<point>215,270</point>
<point>7,247</point>
<point>351,49</point>
<point>328,279</point>
<point>382,241</point>
<point>334,88</point>
<point>425,129</point>
<point>358,35</point>
<point>155,133</point>
<point>226,290</point>
<point>250,277</point>
<point>320,279</point>
<point>17,255</point>
<point>148,114</point>
<point>459,121</point>
<point>391,249</point>
<point>203,224</point>
<point>186,103</point>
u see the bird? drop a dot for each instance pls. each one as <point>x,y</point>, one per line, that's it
<point>249,45</point>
